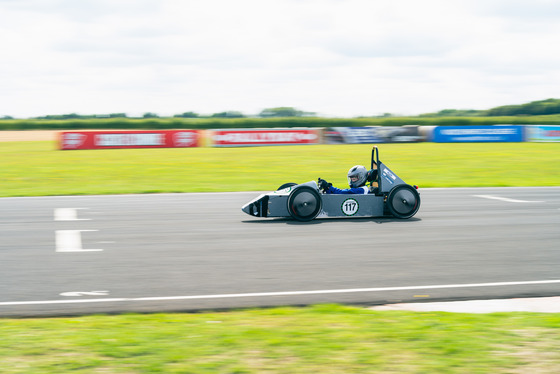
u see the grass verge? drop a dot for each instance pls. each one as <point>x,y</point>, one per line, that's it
<point>322,338</point>
<point>38,169</point>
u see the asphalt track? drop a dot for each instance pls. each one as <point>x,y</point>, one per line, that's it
<point>185,252</point>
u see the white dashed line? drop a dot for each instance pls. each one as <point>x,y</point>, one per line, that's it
<point>507,199</point>
<point>71,241</point>
<point>68,214</point>
<point>85,293</point>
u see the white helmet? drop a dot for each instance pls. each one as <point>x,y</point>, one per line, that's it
<point>359,174</point>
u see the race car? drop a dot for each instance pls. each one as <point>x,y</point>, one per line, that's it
<point>305,201</point>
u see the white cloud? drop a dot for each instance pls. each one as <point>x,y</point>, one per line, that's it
<point>335,57</point>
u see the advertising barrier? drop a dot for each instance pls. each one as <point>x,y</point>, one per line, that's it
<point>128,139</point>
<point>260,137</point>
<point>477,134</point>
<point>378,134</point>
<point>98,139</point>
<point>540,133</point>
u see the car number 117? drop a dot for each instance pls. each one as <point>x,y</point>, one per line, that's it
<point>349,207</point>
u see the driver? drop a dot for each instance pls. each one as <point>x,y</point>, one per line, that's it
<point>357,177</point>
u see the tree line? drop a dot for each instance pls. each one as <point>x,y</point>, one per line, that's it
<point>534,108</point>
<point>265,113</point>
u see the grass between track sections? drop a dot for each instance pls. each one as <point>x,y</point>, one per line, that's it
<point>322,338</point>
<point>37,168</point>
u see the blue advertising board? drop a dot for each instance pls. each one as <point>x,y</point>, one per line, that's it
<point>477,134</point>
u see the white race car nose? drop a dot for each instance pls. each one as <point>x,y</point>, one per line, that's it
<point>257,207</point>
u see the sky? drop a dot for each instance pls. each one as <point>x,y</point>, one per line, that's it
<point>336,58</point>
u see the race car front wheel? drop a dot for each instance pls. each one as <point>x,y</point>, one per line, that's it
<point>304,203</point>
<point>403,201</point>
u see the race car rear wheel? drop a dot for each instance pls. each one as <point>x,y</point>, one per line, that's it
<point>403,201</point>
<point>286,185</point>
<point>304,203</point>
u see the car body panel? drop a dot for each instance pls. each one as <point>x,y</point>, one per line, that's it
<point>275,204</point>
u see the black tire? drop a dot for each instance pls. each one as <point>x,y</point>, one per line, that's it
<point>286,185</point>
<point>403,201</point>
<point>304,203</point>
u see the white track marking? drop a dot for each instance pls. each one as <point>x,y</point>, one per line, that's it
<point>68,214</point>
<point>284,293</point>
<point>85,293</point>
<point>507,199</point>
<point>71,241</point>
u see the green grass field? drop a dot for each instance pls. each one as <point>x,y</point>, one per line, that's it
<point>322,338</point>
<point>318,339</point>
<point>38,168</point>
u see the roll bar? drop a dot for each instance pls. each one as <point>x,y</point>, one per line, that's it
<point>374,155</point>
<point>375,158</point>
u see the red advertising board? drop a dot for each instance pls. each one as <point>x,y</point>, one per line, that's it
<point>128,139</point>
<point>254,137</point>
